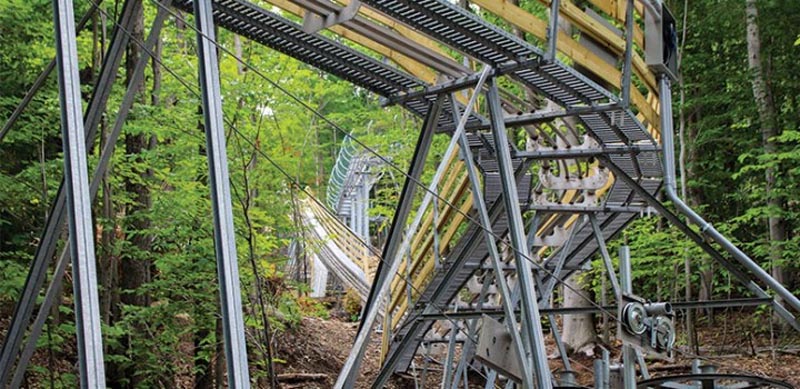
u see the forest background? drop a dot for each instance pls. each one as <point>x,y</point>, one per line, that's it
<point>739,139</point>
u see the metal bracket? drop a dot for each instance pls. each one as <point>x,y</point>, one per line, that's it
<point>313,22</point>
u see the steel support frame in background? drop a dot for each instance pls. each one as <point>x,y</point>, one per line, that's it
<point>531,319</point>
<point>57,214</point>
<point>102,166</point>
<point>219,181</point>
<point>347,377</point>
<point>81,232</point>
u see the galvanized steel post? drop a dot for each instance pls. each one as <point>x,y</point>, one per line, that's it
<point>530,310</point>
<point>81,233</point>
<point>224,236</point>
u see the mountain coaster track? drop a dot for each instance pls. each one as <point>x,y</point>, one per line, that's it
<point>591,165</point>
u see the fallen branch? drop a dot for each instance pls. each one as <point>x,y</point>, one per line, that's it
<point>297,377</point>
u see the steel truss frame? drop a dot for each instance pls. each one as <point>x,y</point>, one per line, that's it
<point>508,55</point>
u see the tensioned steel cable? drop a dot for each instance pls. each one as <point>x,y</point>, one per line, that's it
<point>382,158</point>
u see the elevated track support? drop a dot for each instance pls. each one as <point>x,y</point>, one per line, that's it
<point>502,223</point>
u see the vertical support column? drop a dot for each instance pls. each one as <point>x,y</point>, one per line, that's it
<point>627,65</point>
<point>365,196</point>
<point>628,352</point>
<point>81,236</point>
<point>483,216</point>
<point>530,310</point>
<point>552,30</point>
<point>224,237</point>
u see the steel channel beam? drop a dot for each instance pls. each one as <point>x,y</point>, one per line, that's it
<point>562,350</point>
<point>460,83</point>
<point>102,165</point>
<point>527,119</point>
<point>47,246</point>
<point>625,285</point>
<point>552,31</point>
<point>627,66</point>
<point>81,231</point>
<point>530,308</point>
<point>556,208</point>
<point>108,71</point>
<point>678,305</point>
<point>601,245</point>
<point>573,153</point>
<point>219,180</point>
<point>469,81</point>
<point>379,286</point>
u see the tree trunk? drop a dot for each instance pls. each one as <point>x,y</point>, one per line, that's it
<point>579,330</point>
<point>766,115</point>
<point>135,268</point>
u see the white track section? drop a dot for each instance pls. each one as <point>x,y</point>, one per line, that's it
<point>334,258</point>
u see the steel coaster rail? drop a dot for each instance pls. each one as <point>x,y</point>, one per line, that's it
<point>360,143</point>
<point>356,140</point>
<point>443,312</point>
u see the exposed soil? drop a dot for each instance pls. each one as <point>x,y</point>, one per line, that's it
<point>316,350</point>
<point>741,346</point>
<point>322,346</point>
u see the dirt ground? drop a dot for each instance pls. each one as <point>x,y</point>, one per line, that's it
<point>321,346</point>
